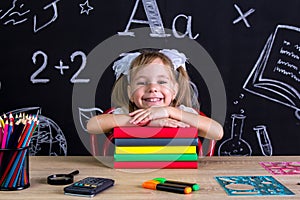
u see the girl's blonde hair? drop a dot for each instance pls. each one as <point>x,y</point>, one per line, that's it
<point>187,92</point>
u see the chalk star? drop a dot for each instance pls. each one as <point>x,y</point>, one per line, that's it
<point>85,7</point>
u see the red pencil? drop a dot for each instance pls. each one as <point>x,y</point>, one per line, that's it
<point>24,133</point>
<point>36,123</point>
<point>17,169</point>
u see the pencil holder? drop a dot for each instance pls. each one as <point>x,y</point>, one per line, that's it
<point>14,169</point>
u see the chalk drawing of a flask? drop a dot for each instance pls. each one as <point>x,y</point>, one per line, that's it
<point>263,140</point>
<point>235,146</point>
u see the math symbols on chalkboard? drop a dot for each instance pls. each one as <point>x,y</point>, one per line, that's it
<point>243,15</point>
<point>74,79</point>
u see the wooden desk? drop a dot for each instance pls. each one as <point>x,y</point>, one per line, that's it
<point>128,183</point>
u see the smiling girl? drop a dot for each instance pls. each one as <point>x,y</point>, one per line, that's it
<point>154,89</point>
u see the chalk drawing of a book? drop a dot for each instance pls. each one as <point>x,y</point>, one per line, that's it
<point>276,74</point>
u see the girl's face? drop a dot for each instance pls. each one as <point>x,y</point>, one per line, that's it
<point>152,85</point>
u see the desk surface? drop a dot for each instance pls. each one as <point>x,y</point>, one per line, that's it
<point>128,182</point>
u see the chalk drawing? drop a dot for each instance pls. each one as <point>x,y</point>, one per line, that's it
<point>85,7</point>
<point>243,15</point>
<point>35,77</point>
<point>154,19</point>
<point>276,74</point>
<point>236,145</point>
<point>263,140</point>
<point>188,28</point>
<point>85,114</point>
<point>261,133</point>
<point>18,13</point>
<point>61,67</point>
<point>15,14</point>
<point>52,5</point>
<point>155,22</point>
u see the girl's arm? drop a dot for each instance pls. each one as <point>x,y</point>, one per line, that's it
<point>167,122</point>
<point>104,123</point>
<point>207,127</point>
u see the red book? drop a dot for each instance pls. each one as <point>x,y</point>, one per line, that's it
<point>157,165</point>
<point>155,132</point>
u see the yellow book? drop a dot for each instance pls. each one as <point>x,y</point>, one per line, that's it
<point>154,149</point>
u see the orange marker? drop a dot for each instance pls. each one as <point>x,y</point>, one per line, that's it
<point>156,185</point>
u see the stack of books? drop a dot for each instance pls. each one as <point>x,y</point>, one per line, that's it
<point>155,147</point>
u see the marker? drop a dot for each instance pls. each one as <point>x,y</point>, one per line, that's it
<point>156,185</point>
<point>194,186</point>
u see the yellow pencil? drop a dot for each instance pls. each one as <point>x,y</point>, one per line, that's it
<point>2,121</point>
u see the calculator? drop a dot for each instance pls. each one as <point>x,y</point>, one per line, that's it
<point>89,186</point>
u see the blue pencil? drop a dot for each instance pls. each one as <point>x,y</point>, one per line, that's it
<point>12,170</point>
<point>19,170</point>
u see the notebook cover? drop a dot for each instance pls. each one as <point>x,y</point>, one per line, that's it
<point>155,132</point>
<point>156,141</point>
<point>156,157</point>
<point>157,165</point>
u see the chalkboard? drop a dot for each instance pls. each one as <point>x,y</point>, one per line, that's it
<point>56,59</point>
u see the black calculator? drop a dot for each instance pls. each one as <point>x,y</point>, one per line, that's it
<point>88,187</point>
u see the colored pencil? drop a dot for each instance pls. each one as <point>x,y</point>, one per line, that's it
<point>3,145</point>
<point>15,163</point>
<point>24,133</point>
<point>17,133</point>
<point>15,170</point>
<point>9,133</point>
<point>1,134</point>
<point>18,129</point>
<point>1,121</point>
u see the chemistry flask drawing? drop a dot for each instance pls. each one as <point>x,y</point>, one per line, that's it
<point>235,146</point>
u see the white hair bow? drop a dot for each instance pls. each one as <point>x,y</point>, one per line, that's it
<point>178,59</point>
<point>122,66</point>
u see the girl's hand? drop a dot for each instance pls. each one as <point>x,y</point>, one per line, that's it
<point>168,122</point>
<point>146,115</point>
